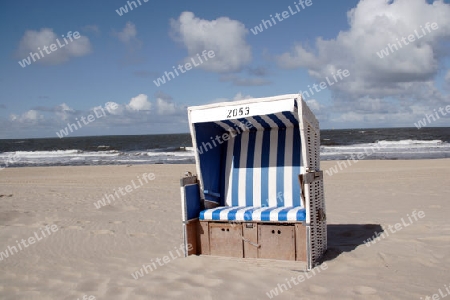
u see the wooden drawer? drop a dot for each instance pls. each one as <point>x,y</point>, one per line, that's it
<point>277,241</point>
<point>226,239</point>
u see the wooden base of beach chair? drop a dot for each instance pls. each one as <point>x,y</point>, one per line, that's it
<point>196,234</point>
<point>301,242</point>
<point>252,240</point>
<point>191,235</point>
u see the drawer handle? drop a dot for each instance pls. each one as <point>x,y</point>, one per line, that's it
<point>250,242</point>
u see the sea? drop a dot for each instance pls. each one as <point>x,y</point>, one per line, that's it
<point>339,144</point>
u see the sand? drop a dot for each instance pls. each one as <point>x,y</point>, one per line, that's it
<point>93,252</point>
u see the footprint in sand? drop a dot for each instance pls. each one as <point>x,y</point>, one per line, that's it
<point>390,211</point>
<point>364,290</point>
<point>318,289</point>
<point>116,222</point>
<point>102,231</point>
<point>91,285</point>
<point>146,221</point>
<point>9,216</point>
<point>434,206</point>
<point>196,280</point>
<point>138,234</point>
<point>74,227</point>
<point>427,262</point>
<point>81,222</point>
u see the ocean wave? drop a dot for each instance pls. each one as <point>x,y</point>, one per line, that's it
<point>79,157</point>
<point>390,144</point>
<point>403,149</point>
<point>383,149</point>
<point>158,154</point>
<point>410,142</point>
<point>60,153</point>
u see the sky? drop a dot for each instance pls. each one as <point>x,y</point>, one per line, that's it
<point>104,66</point>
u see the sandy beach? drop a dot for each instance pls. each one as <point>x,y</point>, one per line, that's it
<point>74,249</point>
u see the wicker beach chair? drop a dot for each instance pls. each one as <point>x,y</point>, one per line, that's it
<point>258,192</point>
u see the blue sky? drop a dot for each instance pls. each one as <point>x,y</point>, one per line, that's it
<point>116,60</point>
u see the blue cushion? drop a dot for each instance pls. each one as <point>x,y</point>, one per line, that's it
<point>252,213</point>
<point>191,201</point>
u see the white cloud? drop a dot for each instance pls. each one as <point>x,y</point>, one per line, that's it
<point>92,28</point>
<point>80,48</point>
<point>224,36</point>
<point>447,78</point>
<point>237,97</point>
<point>30,116</point>
<point>128,33</point>
<point>373,25</point>
<point>314,105</point>
<point>65,107</point>
<point>114,108</point>
<point>128,36</point>
<point>138,115</point>
<point>349,117</point>
<point>138,103</point>
<point>35,41</point>
<point>240,96</point>
<point>63,111</point>
<point>165,107</point>
<point>141,104</point>
<point>239,81</point>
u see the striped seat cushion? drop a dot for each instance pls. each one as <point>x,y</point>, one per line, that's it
<point>252,213</point>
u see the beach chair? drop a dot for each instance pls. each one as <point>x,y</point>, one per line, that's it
<point>258,191</point>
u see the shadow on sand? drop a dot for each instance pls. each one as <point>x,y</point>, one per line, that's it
<point>346,237</point>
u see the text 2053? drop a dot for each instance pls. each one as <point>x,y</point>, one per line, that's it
<point>238,112</point>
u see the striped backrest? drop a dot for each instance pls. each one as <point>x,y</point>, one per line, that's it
<point>257,166</point>
<point>263,163</point>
